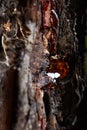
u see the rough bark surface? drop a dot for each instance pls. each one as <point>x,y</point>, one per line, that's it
<point>40,81</point>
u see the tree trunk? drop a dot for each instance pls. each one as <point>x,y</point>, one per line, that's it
<point>40,81</point>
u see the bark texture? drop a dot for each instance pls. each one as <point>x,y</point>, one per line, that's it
<point>40,81</point>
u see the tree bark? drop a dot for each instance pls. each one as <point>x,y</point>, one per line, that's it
<point>42,65</point>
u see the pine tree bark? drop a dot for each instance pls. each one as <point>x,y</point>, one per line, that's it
<point>40,83</point>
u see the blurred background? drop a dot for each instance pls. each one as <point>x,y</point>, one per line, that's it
<point>80,7</point>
